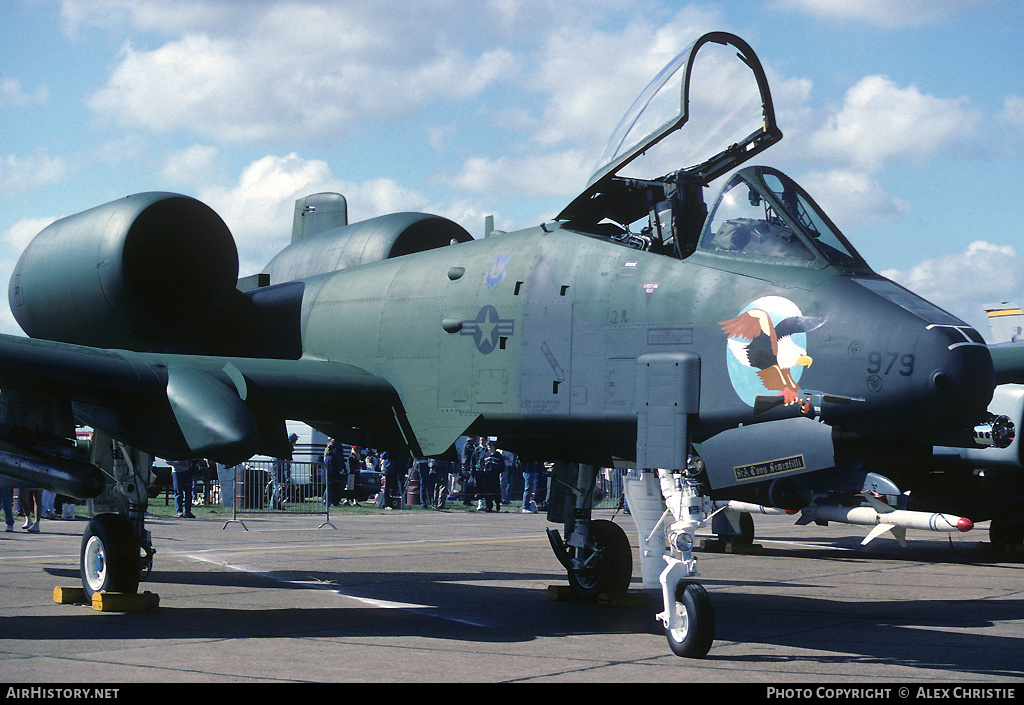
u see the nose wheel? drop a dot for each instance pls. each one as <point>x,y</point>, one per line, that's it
<point>692,628</point>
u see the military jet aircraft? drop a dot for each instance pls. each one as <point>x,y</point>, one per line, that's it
<point>638,327</point>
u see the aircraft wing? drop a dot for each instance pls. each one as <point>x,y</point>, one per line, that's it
<point>1008,359</point>
<point>178,406</point>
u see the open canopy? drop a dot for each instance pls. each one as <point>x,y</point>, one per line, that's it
<point>716,88</point>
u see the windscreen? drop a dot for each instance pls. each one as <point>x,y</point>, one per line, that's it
<point>761,211</point>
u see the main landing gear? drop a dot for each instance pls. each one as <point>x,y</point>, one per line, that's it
<point>1007,530</point>
<point>667,503</point>
<point>110,560</point>
<point>116,551</point>
<point>598,558</point>
<point>596,553</point>
<point>602,564</point>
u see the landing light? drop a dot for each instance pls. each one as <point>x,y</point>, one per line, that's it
<point>683,541</point>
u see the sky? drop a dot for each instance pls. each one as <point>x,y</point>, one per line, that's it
<point>904,119</point>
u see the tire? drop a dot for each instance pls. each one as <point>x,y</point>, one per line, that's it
<point>694,638</point>
<point>746,535</point>
<point>1006,530</point>
<point>610,568</point>
<point>109,560</point>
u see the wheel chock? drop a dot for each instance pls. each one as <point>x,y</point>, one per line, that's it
<point>125,602</point>
<point>561,593</point>
<point>69,596</point>
<point>564,593</point>
<point>718,546</point>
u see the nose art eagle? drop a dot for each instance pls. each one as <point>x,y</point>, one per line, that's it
<point>770,349</point>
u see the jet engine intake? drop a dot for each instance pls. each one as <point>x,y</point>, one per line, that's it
<point>134,273</point>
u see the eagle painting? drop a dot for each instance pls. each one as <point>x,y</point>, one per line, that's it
<point>770,349</point>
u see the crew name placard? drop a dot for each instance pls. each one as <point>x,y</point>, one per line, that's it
<point>767,468</point>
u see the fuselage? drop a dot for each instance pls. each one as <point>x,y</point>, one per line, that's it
<point>534,336</point>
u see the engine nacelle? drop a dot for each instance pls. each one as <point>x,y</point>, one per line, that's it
<point>133,273</point>
<point>361,243</point>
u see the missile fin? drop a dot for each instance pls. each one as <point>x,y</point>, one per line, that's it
<point>876,503</point>
<point>900,534</point>
<point>876,532</point>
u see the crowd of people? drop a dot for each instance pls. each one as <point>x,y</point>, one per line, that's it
<point>32,503</point>
<point>483,474</point>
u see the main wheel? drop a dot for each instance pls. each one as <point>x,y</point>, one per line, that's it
<point>697,630</point>
<point>606,568</point>
<point>1006,530</point>
<point>110,560</point>
<point>746,535</point>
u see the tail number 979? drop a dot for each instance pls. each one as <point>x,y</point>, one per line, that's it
<point>886,363</point>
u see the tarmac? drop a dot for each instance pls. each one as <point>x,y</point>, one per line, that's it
<point>418,596</point>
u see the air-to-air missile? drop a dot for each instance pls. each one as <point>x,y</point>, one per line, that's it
<point>884,518</point>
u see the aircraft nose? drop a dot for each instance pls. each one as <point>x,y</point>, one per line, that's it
<point>964,376</point>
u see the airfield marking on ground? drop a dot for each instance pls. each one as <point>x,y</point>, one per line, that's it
<point>427,610</point>
<point>320,547</point>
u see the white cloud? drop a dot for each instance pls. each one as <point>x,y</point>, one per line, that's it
<point>587,78</point>
<point>19,174</point>
<point>295,69</point>
<point>259,208</point>
<point>17,237</point>
<point>592,76</point>
<point>13,241</point>
<point>11,93</point>
<point>963,282</point>
<point>548,174</point>
<point>852,198</point>
<point>196,82</point>
<point>886,13</point>
<point>151,15</point>
<point>190,166</point>
<point>881,123</point>
<point>1013,111</point>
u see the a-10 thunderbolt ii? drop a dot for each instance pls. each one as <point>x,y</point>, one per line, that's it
<point>732,356</point>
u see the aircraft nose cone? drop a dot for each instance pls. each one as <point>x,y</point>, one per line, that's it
<point>965,378</point>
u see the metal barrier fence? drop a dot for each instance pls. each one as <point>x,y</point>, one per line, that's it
<point>253,488</point>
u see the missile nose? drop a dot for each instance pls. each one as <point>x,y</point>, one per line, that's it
<point>964,524</point>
